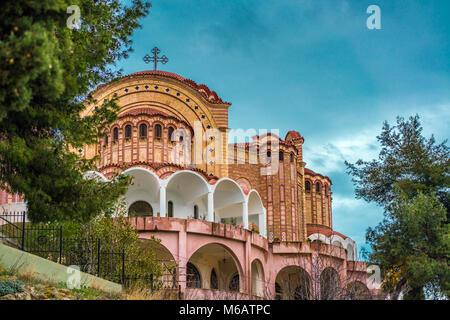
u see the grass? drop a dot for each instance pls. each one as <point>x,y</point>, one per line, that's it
<point>48,288</point>
<point>139,293</point>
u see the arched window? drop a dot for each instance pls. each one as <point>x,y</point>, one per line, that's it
<point>170,209</point>
<point>143,130</point>
<point>116,134</point>
<point>307,186</point>
<point>214,282</point>
<point>317,187</point>
<point>281,156</point>
<point>234,283</point>
<point>128,131</point>
<point>193,279</point>
<point>106,140</point>
<point>269,155</point>
<point>140,209</point>
<point>195,212</point>
<point>325,189</point>
<point>292,157</point>
<point>158,131</point>
<point>170,133</point>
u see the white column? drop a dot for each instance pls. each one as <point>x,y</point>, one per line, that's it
<point>245,214</point>
<point>210,206</point>
<point>162,201</point>
<point>264,223</point>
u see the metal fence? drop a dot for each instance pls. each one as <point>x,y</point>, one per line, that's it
<point>88,254</point>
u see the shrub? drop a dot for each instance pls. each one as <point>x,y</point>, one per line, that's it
<point>8,287</point>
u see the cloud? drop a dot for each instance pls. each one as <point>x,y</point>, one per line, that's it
<point>353,216</point>
<point>342,203</point>
<point>330,157</point>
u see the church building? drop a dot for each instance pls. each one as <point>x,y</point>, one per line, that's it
<point>246,220</point>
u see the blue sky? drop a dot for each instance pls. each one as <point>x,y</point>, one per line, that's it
<point>312,66</point>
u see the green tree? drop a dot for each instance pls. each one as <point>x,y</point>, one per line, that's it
<point>47,71</point>
<point>115,234</point>
<point>410,180</point>
<point>412,246</point>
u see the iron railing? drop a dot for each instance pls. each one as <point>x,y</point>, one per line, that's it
<point>87,254</point>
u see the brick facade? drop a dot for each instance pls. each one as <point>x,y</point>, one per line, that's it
<point>158,98</point>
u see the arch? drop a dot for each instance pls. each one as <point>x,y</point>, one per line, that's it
<point>256,212</point>
<point>319,237</point>
<point>255,203</point>
<point>147,171</point>
<point>229,202</point>
<point>187,188</point>
<point>198,94</point>
<point>165,257</point>
<point>143,130</point>
<point>128,131</point>
<point>338,241</point>
<point>293,283</point>
<point>318,186</point>
<point>308,186</point>
<point>337,244</point>
<point>145,186</point>
<point>245,185</point>
<point>220,258</point>
<point>140,208</point>
<point>330,285</point>
<point>356,290</point>
<point>158,131</point>
<point>95,175</point>
<point>258,284</point>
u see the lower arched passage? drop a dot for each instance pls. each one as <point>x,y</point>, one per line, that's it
<point>356,290</point>
<point>217,268</point>
<point>165,257</point>
<point>292,283</point>
<point>330,286</point>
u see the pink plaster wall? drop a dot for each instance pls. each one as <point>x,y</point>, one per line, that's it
<point>184,237</point>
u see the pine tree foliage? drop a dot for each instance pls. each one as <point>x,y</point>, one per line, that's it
<point>411,181</point>
<point>47,71</point>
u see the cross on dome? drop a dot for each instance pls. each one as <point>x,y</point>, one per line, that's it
<point>155,59</point>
